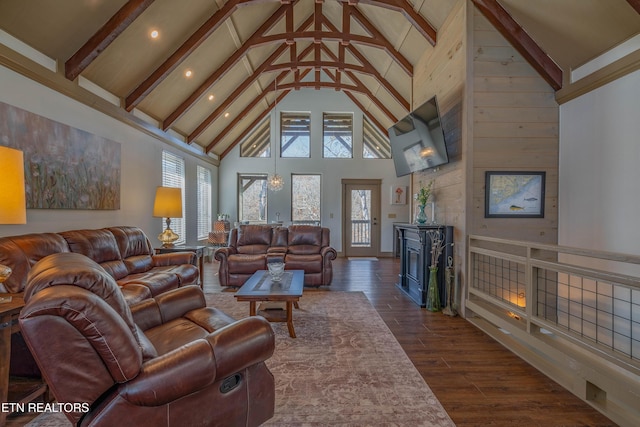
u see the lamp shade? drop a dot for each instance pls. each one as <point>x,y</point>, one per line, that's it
<point>168,203</point>
<point>13,209</point>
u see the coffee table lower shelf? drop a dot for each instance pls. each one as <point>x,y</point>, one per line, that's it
<point>273,296</point>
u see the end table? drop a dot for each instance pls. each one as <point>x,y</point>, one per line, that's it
<point>10,308</point>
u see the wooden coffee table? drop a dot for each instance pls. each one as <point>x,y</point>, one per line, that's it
<point>260,287</point>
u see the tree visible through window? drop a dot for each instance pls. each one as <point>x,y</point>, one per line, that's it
<point>375,144</point>
<point>295,135</point>
<point>252,203</point>
<point>305,197</point>
<point>337,135</point>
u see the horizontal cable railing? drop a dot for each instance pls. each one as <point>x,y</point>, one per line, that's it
<point>588,298</point>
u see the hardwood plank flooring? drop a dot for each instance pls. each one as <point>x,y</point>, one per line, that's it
<point>477,380</point>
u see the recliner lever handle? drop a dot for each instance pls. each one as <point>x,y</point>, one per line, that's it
<point>230,383</point>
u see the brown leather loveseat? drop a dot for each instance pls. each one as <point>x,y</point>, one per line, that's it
<point>167,361</point>
<point>124,252</point>
<point>301,247</point>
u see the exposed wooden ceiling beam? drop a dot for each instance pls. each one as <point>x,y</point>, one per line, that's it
<point>359,83</point>
<point>635,4</point>
<point>338,36</point>
<point>236,93</point>
<point>374,72</point>
<point>521,41</point>
<point>170,64</point>
<point>382,40</point>
<point>104,36</point>
<point>318,65</point>
<point>365,91</point>
<point>255,102</point>
<point>404,7</point>
<point>224,68</point>
<point>253,124</point>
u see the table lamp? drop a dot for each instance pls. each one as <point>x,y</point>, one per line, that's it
<point>168,204</point>
<point>13,208</point>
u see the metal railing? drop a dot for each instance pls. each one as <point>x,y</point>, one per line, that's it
<point>360,232</point>
<point>583,303</point>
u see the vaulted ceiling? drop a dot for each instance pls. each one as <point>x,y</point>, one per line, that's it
<point>215,68</point>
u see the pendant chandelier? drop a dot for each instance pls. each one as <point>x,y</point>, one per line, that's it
<point>275,181</point>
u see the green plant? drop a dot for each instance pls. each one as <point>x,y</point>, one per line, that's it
<point>424,193</point>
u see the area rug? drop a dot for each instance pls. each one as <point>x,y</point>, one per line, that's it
<point>345,368</point>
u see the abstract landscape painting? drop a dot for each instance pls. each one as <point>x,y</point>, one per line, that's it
<point>65,167</point>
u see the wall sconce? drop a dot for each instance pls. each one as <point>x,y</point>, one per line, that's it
<point>13,208</point>
<point>168,204</point>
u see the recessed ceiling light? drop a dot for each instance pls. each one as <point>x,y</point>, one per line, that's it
<point>226,114</point>
<point>188,73</point>
<point>210,97</point>
<point>154,34</point>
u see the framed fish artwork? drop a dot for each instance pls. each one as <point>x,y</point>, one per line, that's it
<point>514,194</point>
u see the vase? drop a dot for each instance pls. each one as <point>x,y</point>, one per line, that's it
<point>433,296</point>
<point>421,217</point>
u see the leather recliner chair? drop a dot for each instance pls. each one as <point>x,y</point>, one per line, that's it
<point>168,361</point>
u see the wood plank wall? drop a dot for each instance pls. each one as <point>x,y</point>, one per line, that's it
<point>515,128</point>
<point>499,115</point>
<point>441,72</point>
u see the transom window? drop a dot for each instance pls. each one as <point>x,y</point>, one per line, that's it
<point>252,197</point>
<point>305,197</point>
<point>337,135</point>
<point>295,135</point>
<point>375,144</point>
<point>258,142</point>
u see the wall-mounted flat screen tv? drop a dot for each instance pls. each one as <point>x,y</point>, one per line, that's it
<point>417,141</point>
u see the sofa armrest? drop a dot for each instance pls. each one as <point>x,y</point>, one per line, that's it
<point>200,363</point>
<point>174,258</point>
<point>171,376</point>
<point>328,253</point>
<point>241,344</point>
<point>222,254</point>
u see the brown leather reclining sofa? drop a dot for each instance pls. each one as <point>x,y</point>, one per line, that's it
<point>301,247</point>
<point>166,361</point>
<point>124,252</point>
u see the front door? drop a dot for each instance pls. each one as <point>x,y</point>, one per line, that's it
<point>361,219</point>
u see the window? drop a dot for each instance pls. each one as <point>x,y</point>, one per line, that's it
<point>204,202</point>
<point>173,176</point>
<point>295,134</point>
<point>257,144</point>
<point>337,135</point>
<point>252,202</point>
<point>305,197</point>
<point>375,143</point>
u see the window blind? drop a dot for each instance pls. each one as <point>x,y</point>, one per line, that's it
<point>173,176</point>
<point>204,202</point>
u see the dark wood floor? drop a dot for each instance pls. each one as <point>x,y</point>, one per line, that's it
<point>479,382</point>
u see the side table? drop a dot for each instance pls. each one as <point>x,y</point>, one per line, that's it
<point>10,306</point>
<point>198,250</point>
